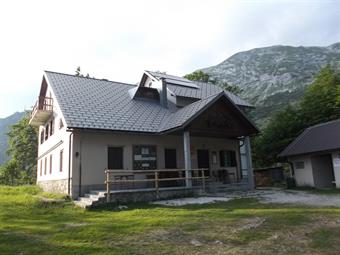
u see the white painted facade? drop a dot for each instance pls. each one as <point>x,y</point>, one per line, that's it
<point>303,176</point>
<point>50,149</point>
<point>312,173</point>
<point>336,167</point>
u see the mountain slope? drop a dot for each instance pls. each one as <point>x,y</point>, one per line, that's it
<point>5,123</point>
<point>272,77</point>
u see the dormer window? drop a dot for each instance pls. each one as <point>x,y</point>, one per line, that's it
<point>147,93</point>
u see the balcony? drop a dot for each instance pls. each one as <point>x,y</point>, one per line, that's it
<point>42,111</point>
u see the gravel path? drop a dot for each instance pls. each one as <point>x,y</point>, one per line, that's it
<point>264,196</point>
<point>299,197</point>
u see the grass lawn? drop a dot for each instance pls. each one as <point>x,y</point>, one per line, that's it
<point>30,224</point>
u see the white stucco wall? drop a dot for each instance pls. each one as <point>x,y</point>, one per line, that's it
<point>58,141</point>
<point>303,177</point>
<point>336,167</point>
<point>92,148</point>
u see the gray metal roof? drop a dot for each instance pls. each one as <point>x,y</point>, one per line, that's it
<point>101,104</point>
<point>318,138</point>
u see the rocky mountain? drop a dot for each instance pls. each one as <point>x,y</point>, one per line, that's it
<point>5,123</point>
<point>272,77</point>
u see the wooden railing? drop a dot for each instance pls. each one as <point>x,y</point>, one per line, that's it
<point>111,177</point>
<point>43,103</point>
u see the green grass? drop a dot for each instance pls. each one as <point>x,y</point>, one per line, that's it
<point>30,224</point>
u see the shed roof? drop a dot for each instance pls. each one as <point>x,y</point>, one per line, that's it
<point>318,138</point>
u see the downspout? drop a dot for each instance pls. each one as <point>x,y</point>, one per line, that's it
<point>69,165</point>
<point>80,149</point>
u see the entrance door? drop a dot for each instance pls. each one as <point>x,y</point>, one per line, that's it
<point>323,173</point>
<point>115,158</point>
<point>203,161</point>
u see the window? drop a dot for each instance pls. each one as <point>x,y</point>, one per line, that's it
<point>61,123</point>
<point>45,169</point>
<point>227,158</point>
<point>170,158</point>
<point>41,165</point>
<point>42,136</point>
<point>52,127</point>
<point>61,161</point>
<point>51,164</point>
<point>115,158</point>
<point>46,131</point>
<point>144,157</point>
<point>299,165</point>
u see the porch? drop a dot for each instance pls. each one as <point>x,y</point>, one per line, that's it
<point>124,186</point>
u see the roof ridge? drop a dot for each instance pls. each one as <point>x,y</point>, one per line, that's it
<point>324,123</point>
<point>92,78</point>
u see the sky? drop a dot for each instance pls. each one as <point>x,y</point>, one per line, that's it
<point>118,40</point>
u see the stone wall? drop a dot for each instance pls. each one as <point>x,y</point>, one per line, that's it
<point>54,186</point>
<point>147,196</point>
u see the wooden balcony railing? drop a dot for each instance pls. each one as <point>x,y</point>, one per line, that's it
<point>122,176</point>
<point>41,111</point>
<point>44,104</point>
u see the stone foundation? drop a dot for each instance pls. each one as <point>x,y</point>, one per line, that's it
<point>145,195</point>
<point>54,186</point>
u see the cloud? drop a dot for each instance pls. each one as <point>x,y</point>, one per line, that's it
<point>119,39</point>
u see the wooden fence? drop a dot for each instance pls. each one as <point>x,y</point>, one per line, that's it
<point>116,177</point>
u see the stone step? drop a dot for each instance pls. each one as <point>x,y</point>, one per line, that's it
<point>81,204</point>
<point>85,199</point>
<point>92,196</point>
<point>90,199</point>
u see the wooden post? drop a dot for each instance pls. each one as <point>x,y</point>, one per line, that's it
<point>187,159</point>
<point>156,184</point>
<point>107,186</point>
<point>203,181</point>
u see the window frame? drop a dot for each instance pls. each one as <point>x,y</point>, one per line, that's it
<point>51,124</point>
<point>61,160</point>
<point>232,162</point>
<point>299,164</point>
<point>45,165</point>
<point>51,161</point>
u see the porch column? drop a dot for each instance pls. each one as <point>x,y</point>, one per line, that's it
<point>249,163</point>
<point>187,158</point>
